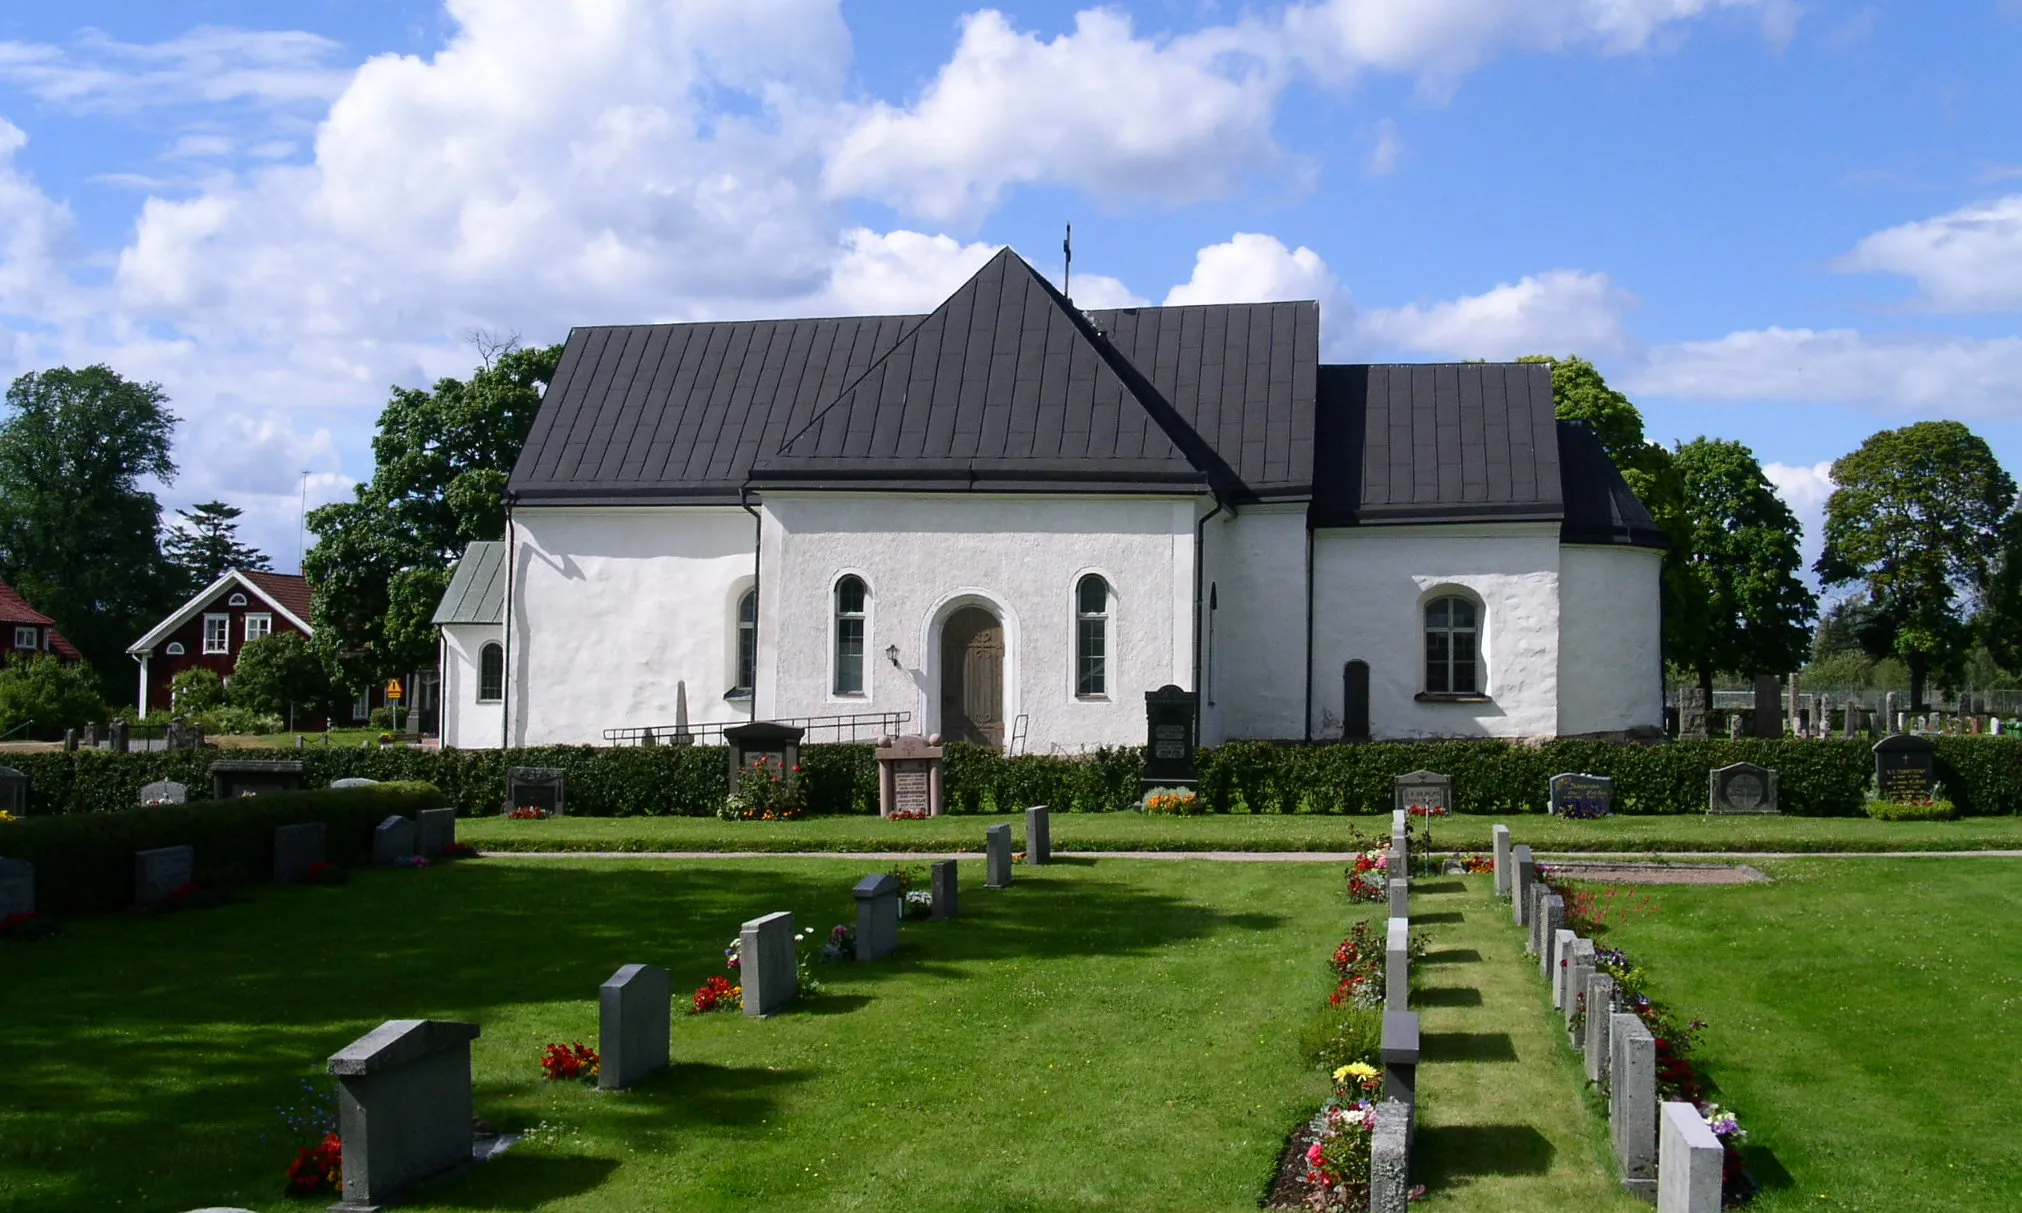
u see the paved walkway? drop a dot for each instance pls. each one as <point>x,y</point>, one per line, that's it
<point>1681,857</point>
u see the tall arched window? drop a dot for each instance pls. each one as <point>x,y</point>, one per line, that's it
<point>850,600</point>
<point>491,673</point>
<point>747,641</point>
<point>1091,637</point>
<point>1452,647</point>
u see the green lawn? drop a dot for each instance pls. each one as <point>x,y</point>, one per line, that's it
<point>1241,832</point>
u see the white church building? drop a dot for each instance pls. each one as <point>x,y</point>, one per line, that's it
<point>1007,520</point>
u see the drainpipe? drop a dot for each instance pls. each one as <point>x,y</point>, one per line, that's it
<point>1308,706</point>
<point>505,687</point>
<point>758,614</point>
<point>1200,573</point>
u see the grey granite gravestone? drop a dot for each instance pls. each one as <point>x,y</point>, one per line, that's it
<point>235,777</point>
<point>1891,718</point>
<point>161,871</point>
<point>1503,875</point>
<point>1400,1063</point>
<point>947,893</point>
<point>635,1018</point>
<point>1397,965</point>
<point>1734,726</point>
<point>17,887</point>
<point>116,737</point>
<point>1632,1101</point>
<point>768,964</point>
<point>1795,711</point>
<point>1421,790</point>
<point>910,776</point>
<point>70,741</point>
<point>1600,1006</point>
<point>393,841</point>
<point>1400,897</point>
<point>1562,960</point>
<point>13,792</point>
<point>543,788</point>
<point>1523,877</point>
<point>1692,714</point>
<point>877,916</point>
<point>997,857</point>
<point>164,791</point>
<point>1741,788</point>
<point>1906,767</point>
<point>1690,1162</point>
<point>1390,1159</point>
<point>1768,711</point>
<point>1171,718</point>
<point>1038,835</point>
<point>437,830</point>
<point>1582,796</point>
<point>403,1108</point>
<point>354,781</point>
<point>297,848</point>
<point>1578,969</point>
<point>1551,920</point>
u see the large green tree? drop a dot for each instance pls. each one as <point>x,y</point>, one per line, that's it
<point>79,537</point>
<point>206,545</point>
<point>441,459</point>
<point>279,675</point>
<point>2000,617</point>
<point>1741,554</point>
<point>1919,517</point>
<point>42,696</point>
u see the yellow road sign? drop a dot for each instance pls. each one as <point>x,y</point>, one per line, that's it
<point>393,689</point>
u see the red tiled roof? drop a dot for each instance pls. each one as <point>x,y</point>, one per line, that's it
<point>289,591</point>
<point>15,609</point>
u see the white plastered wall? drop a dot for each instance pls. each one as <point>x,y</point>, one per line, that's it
<point>466,723</point>
<point>1253,667</point>
<point>924,556</point>
<point>1370,588</point>
<point>1611,640</point>
<point>612,608</point>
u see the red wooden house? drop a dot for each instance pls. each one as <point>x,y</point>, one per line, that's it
<point>27,631</point>
<point>216,623</point>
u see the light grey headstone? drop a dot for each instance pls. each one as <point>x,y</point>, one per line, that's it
<point>1891,718</point>
<point>165,791</point>
<point>1741,788</point>
<point>1600,1007</point>
<point>1690,1161</point>
<point>1400,897</point>
<point>1038,835</point>
<point>768,964</point>
<point>635,1017</point>
<point>1397,965</point>
<point>297,848</point>
<point>403,1107</point>
<point>1533,916</point>
<point>947,893</point>
<point>17,887</point>
<point>393,840</point>
<point>437,830</point>
<point>1632,1101</point>
<point>1400,822</point>
<point>877,900</point>
<point>1551,920</point>
<point>1579,967</point>
<point>1504,877</point>
<point>1522,877</point>
<point>162,871</point>
<point>1421,790</point>
<point>1390,1159</point>
<point>1562,959</point>
<point>997,857</point>
<point>354,782</point>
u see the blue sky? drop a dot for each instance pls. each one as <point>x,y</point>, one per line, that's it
<point>1789,222</point>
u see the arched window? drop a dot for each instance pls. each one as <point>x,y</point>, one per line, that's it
<point>491,673</point>
<point>747,641</point>
<point>850,599</point>
<point>1091,637</point>
<point>236,600</point>
<point>1452,647</point>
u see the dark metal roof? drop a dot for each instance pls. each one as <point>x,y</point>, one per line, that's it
<point>1600,507</point>
<point>476,592</point>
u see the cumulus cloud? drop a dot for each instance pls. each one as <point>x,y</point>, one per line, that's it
<point>34,234</point>
<point>1804,490</point>
<point>1559,310</point>
<point>1254,268</point>
<point>899,273</point>
<point>1911,373</point>
<point>1969,260</point>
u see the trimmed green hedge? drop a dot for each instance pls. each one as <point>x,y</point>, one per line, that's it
<point>84,861</point>
<point>1983,775</point>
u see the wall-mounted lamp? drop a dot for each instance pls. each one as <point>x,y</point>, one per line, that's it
<point>892,655</point>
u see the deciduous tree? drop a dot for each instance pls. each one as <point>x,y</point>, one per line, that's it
<point>47,696</point>
<point>278,672</point>
<point>1741,554</point>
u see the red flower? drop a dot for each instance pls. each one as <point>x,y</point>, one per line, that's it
<point>317,1168</point>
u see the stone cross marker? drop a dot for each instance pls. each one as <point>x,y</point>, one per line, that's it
<point>437,829</point>
<point>1422,790</point>
<point>1742,788</point>
<point>768,964</point>
<point>1632,1101</point>
<point>947,894</point>
<point>1397,965</point>
<point>1523,875</point>
<point>1906,766</point>
<point>1400,897</point>
<point>997,857</point>
<point>877,900</point>
<point>165,791</point>
<point>537,788</point>
<point>1692,714</point>
<point>1690,1162</point>
<point>1170,715</point>
<point>910,777</point>
<point>1582,795</point>
<point>17,887</point>
<point>403,1107</point>
<point>1038,835</point>
<point>1503,874</point>
<point>1768,712</point>
<point>635,1019</point>
<point>1600,1006</point>
<point>393,841</point>
<point>162,871</point>
<point>1390,1159</point>
<point>297,848</point>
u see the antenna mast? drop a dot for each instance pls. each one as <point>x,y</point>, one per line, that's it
<point>302,523</point>
<point>1067,273</point>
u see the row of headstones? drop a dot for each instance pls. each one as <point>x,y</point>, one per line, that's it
<point>1741,787</point>
<point>1397,1112</point>
<point>1667,1152</point>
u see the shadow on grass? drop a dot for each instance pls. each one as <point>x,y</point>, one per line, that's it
<point>1449,1155</point>
<point>1439,886</point>
<point>828,1004</point>
<point>1447,996</point>
<point>1451,956</point>
<point>1765,1169</point>
<point>1444,916</point>
<point>1466,1046</point>
<point>517,1180</point>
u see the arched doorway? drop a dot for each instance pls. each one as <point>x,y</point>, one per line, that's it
<point>972,677</point>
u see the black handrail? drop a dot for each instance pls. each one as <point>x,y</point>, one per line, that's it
<point>849,727</point>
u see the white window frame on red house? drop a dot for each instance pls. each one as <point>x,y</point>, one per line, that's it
<point>266,627</point>
<point>33,634</point>
<point>222,641</point>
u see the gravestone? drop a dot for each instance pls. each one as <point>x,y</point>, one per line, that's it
<point>1390,1159</point>
<point>1355,701</point>
<point>1690,1162</point>
<point>997,857</point>
<point>947,894</point>
<point>1503,875</point>
<point>1523,875</point>
<point>1551,921</point>
<point>404,1108</point>
<point>1582,795</point>
<point>70,741</point>
<point>1600,1006</point>
<point>297,848</point>
<point>1823,723</point>
<point>1692,714</point>
<point>1578,969</point>
<point>393,841</point>
<point>1422,790</point>
<point>116,736</point>
<point>1170,715</point>
<point>17,887</point>
<point>768,964</point>
<point>634,1020</point>
<point>1038,835</point>
<point>777,744</point>
<point>1795,713</point>
<point>1890,721</point>
<point>1768,712</point>
<point>1534,916</point>
<point>232,778</point>
<point>1397,965</point>
<point>538,788</point>
<point>1906,767</point>
<point>1400,1061</point>
<point>877,916</point>
<point>1632,1102</point>
<point>1741,788</point>
<point>1400,897</point>
<point>1561,964</point>
<point>437,830</point>
<point>1734,726</point>
<point>161,871</point>
<point>13,792</point>
<point>354,781</point>
<point>165,791</point>
<point>910,776</point>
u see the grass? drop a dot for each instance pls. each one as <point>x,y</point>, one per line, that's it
<point>1865,1020</point>
<point>1111,1035</point>
<point>1242,832</point>
<point>348,739</point>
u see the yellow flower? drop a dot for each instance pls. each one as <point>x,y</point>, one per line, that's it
<point>1357,1069</point>
<point>6,816</point>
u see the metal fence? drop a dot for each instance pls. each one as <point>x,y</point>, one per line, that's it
<point>851,727</point>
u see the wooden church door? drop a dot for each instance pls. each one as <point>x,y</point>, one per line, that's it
<point>972,678</point>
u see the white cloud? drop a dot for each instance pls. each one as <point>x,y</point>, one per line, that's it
<point>1559,311</point>
<point>1383,156</point>
<point>1968,260</point>
<point>35,233</point>
<point>900,273</point>
<point>210,64</point>
<point>1253,268</point>
<point>1804,490</point>
<point>1904,374</point>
